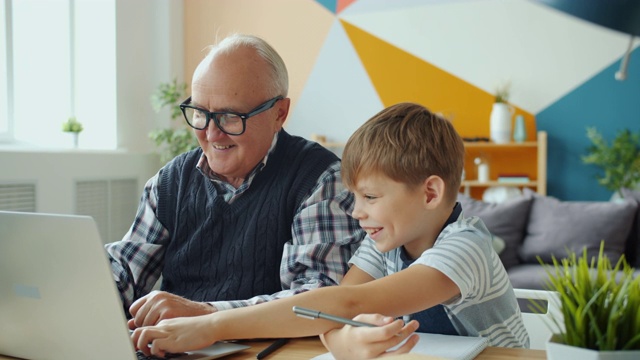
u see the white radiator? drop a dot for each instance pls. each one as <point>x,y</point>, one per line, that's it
<point>111,202</point>
<point>18,197</point>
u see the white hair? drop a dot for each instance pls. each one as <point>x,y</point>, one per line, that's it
<point>279,75</point>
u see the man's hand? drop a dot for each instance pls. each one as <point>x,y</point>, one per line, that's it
<point>160,305</point>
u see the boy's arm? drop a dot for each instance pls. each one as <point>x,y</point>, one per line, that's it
<point>356,276</point>
<point>405,292</point>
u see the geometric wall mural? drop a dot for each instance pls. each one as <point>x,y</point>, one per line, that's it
<point>450,56</point>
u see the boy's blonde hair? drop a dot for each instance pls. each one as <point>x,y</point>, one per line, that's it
<point>406,143</point>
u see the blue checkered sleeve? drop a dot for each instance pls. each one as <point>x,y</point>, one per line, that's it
<point>137,260</point>
<point>324,237</point>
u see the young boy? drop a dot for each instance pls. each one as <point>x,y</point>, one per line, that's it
<point>421,256</point>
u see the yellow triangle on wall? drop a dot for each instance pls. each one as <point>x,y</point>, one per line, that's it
<point>400,77</point>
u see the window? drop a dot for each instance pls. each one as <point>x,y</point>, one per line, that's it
<point>58,60</point>
<point>5,131</point>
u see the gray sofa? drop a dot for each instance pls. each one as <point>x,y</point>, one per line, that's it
<point>533,225</point>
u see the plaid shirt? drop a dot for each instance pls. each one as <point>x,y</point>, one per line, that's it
<point>323,239</point>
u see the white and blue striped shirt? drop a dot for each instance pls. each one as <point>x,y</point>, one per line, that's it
<point>487,305</point>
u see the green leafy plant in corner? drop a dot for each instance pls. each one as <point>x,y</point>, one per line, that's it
<point>619,160</point>
<point>72,125</point>
<point>599,302</point>
<point>178,139</point>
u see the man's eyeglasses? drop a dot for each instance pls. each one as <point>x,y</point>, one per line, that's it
<point>228,122</point>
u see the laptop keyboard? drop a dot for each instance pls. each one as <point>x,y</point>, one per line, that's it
<point>142,356</point>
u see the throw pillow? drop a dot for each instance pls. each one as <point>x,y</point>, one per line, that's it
<point>557,226</point>
<point>506,220</point>
<point>632,251</point>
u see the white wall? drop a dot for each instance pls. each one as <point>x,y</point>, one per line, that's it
<point>55,173</point>
<point>148,51</point>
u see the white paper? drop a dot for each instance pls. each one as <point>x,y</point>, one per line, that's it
<point>446,346</point>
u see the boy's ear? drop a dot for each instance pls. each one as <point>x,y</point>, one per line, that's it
<point>434,191</point>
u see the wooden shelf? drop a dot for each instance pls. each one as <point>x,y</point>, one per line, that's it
<point>472,183</point>
<point>490,144</point>
<point>529,158</point>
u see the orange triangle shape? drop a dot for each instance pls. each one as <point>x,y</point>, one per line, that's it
<point>342,4</point>
<point>402,77</point>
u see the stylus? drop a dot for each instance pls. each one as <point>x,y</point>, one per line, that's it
<point>271,348</point>
<point>314,314</point>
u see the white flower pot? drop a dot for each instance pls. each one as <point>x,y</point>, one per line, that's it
<point>500,123</point>
<point>559,351</point>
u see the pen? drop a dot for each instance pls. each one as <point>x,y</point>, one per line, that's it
<point>271,348</point>
<point>314,314</point>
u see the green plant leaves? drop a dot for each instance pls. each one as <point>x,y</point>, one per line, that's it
<point>176,140</point>
<point>599,302</point>
<point>72,125</point>
<point>169,94</point>
<point>620,160</point>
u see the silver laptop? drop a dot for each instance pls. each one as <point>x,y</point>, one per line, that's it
<point>58,299</point>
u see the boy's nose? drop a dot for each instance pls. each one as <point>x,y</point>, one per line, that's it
<point>357,213</point>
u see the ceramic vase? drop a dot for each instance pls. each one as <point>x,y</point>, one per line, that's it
<point>500,123</point>
<point>559,351</point>
<point>520,130</point>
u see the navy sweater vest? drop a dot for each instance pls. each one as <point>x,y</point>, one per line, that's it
<point>221,251</point>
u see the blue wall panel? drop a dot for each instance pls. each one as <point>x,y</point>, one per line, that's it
<point>603,102</point>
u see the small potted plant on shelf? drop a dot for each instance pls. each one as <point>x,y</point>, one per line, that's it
<point>73,126</point>
<point>502,93</point>
<point>599,305</point>
<point>501,114</point>
<point>620,160</point>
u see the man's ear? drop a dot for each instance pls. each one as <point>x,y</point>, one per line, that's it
<point>283,111</point>
<point>434,189</point>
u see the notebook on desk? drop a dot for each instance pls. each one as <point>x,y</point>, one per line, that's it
<point>442,346</point>
<point>58,299</point>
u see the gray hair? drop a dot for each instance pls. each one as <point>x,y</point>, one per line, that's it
<point>279,75</point>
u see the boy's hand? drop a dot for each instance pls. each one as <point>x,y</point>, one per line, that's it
<point>174,336</point>
<point>367,343</point>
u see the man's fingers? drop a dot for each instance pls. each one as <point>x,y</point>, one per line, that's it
<point>133,309</point>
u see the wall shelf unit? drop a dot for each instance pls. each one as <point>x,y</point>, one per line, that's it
<point>527,158</point>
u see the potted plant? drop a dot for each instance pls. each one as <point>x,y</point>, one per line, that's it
<point>73,126</point>
<point>501,113</point>
<point>599,305</point>
<point>174,140</point>
<point>502,93</point>
<point>619,160</point>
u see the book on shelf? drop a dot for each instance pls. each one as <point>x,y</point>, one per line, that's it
<point>513,178</point>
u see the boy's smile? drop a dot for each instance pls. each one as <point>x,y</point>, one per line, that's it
<point>393,214</point>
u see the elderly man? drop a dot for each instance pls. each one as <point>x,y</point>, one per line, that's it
<point>252,215</point>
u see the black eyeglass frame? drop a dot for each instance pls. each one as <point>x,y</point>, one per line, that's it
<point>214,114</point>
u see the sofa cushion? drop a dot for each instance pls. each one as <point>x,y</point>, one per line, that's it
<point>557,226</point>
<point>632,251</point>
<point>506,220</point>
<point>529,276</point>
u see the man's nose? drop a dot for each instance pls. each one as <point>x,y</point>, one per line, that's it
<point>213,132</point>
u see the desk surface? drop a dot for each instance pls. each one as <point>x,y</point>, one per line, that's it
<point>306,348</point>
